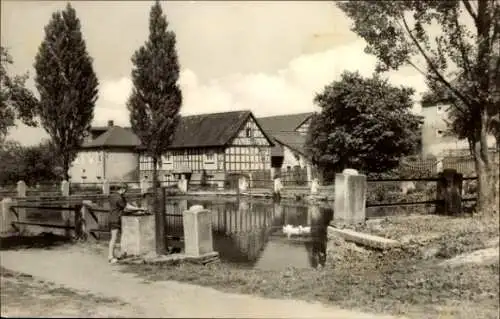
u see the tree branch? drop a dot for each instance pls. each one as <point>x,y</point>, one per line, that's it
<point>438,75</point>
<point>461,47</point>
<point>470,10</point>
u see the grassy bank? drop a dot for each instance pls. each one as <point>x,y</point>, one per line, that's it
<point>407,281</point>
<point>24,296</point>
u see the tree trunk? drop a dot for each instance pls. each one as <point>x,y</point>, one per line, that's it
<point>159,213</point>
<point>65,174</point>
<point>487,202</point>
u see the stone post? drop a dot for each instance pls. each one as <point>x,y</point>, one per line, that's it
<point>439,165</point>
<point>242,184</point>
<point>105,187</point>
<point>21,189</point>
<point>183,184</point>
<point>449,192</point>
<point>65,188</point>
<point>144,185</point>
<point>7,216</point>
<point>309,173</point>
<point>138,235</point>
<point>197,223</point>
<point>350,197</point>
<point>21,192</point>
<point>314,186</point>
<point>277,185</point>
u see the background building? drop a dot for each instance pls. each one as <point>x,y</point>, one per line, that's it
<point>289,134</point>
<point>108,153</point>
<point>435,141</point>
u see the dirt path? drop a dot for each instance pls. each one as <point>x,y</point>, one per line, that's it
<point>85,270</point>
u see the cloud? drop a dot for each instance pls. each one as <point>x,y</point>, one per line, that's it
<point>289,90</point>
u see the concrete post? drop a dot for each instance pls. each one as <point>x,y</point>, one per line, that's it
<point>21,192</point>
<point>105,187</point>
<point>314,186</point>
<point>21,189</point>
<point>7,216</point>
<point>65,188</point>
<point>242,184</point>
<point>183,184</point>
<point>277,185</point>
<point>350,197</point>
<point>138,235</point>
<point>144,185</point>
<point>309,173</point>
<point>197,224</point>
<point>439,165</point>
<point>449,191</point>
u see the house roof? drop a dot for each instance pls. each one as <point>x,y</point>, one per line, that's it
<point>283,123</point>
<point>115,136</point>
<point>203,130</point>
<point>293,140</point>
<point>282,128</point>
<point>209,130</point>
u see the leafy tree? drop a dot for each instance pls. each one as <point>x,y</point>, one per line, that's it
<point>15,99</point>
<point>365,124</point>
<point>32,164</point>
<point>443,40</point>
<point>67,84</point>
<point>156,99</point>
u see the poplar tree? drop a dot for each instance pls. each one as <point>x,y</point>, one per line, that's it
<point>156,100</point>
<point>67,84</point>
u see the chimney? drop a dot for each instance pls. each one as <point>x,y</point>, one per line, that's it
<point>111,123</point>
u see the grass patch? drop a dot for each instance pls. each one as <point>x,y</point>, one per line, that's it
<point>407,281</point>
<point>24,296</point>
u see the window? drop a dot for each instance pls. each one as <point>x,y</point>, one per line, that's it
<point>249,132</point>
<point>439,133</point>
<point>209,156</point>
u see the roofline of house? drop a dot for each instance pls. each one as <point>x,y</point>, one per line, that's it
<point>289,146</point>
<point>250,114</point>
<point>102,147</point>
<point>307,118</point>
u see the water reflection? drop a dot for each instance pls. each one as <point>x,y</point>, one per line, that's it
<point>250,232</point>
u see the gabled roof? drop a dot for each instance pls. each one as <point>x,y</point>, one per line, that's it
<point>282,128</point>
<point>283,123</point>
<point>211,130</point>
<point>115,136</point>
<point>293,140</point>
<point>203,130</point>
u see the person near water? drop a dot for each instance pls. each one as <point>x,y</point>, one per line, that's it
<point>119,206</point>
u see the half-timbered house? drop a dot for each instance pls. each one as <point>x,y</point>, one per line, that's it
<point>217,144</point>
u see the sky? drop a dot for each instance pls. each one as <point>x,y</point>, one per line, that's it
<point>268,57</point>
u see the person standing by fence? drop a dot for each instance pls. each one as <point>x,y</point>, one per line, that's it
<point>118,206</point>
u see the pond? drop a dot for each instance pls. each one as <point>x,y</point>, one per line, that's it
<point>248,232</point>
<point>260,234</point>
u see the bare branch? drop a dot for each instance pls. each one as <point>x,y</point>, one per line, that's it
<point>470,10</point>
<point>438,75</point>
